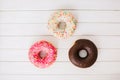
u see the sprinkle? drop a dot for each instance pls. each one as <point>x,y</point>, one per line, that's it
<point>62,16</point>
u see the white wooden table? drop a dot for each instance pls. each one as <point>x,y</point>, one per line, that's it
<point>23,22</point>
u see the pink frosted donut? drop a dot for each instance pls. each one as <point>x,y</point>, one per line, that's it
<point>42,54</point>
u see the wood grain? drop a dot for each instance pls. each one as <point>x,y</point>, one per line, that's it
<point>43,16</point>
<point>23,22</point>
<point>59,4</point>
<point>59,77</point>
<point>97,29</point>
<point>60,67</point>
<point>24,42</point>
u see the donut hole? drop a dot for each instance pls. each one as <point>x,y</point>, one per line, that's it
<point>42,54</point>
<point>62,25</point>
<point>83,53</point>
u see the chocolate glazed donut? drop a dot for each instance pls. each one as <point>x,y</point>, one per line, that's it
<point>89,59</point>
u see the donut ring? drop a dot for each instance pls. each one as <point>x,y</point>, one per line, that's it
<point>42,54</point>
<point>89,47</point>
<point>62,24</point>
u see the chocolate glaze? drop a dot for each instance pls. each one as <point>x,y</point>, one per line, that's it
<point>83,44</point>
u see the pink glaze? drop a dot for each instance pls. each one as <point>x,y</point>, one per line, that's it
<point>42,46</point>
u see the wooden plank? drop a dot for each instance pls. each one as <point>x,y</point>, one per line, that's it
<point>43,16</point>
<point>58,68</point>
<point>22,55</point>
<point>59,77</point>
<point>59,4</point>
<point>21,42</point>
<point>23,22</point>
<point>41,29</point>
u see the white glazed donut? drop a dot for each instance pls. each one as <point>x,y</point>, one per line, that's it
<point>62,24</point>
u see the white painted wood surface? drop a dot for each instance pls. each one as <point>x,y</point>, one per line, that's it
<point>23,22</point>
